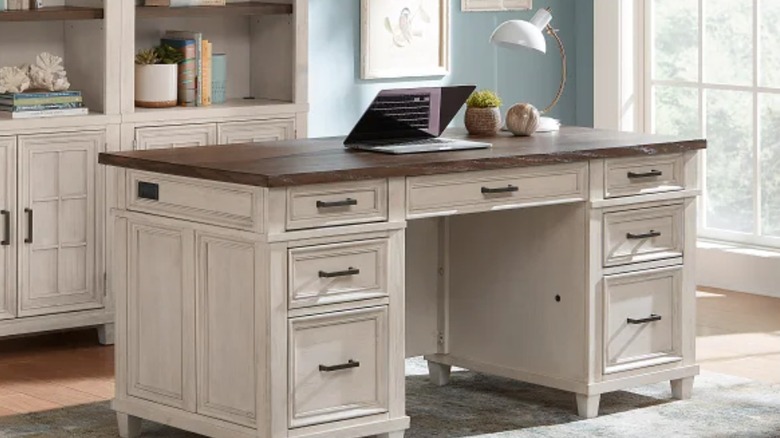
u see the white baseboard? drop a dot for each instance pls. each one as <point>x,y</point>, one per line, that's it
<point>738,268</point>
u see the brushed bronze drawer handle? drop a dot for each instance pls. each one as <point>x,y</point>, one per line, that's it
<point>348,273</point>
<point>649,319</point>
<point>492,191</point>
<point>344,366</point>
<point>7,227</point>
<point>349,202</point>
<point>30,223</point>
<point>652,174</point>
<point>649,235</point>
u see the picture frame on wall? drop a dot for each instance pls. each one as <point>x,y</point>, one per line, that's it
<point>404,38</point>
<point>496,5</point>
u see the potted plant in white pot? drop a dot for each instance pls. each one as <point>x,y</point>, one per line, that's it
<point>156,77</point>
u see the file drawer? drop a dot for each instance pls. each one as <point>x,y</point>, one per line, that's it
<point>643,235</point>
<point>338,366</point>
<point>210,202</point>
<point>495,190</point>
<point>337,273</point>
<point>642,318</point>
<point>336,204</point>
<point>640,176</point>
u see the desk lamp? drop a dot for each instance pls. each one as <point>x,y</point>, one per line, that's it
<point>520,34</point>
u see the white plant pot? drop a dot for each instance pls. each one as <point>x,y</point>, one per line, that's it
<point>156,85</point>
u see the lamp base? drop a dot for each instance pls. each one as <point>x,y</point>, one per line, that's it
<point>548,124</point>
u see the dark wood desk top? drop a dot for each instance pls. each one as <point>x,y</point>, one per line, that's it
<point>325,160</point>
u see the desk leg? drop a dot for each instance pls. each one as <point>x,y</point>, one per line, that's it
<point>682,388</point>
<point>129,426</point>
<point>391,435</point>
<point>439,374</point>
<point>106,334</point>
<point>588,405</point>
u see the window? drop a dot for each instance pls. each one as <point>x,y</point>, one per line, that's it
<point>713,69</point>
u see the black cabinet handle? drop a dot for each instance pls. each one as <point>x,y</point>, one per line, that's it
<point>7,227</point>
<point>345,203</point>
<point>648,235</point>
<point>649,319</point>
<point>344,366</point>
<point>493,191</point>
<point>349,272</point>
<point>651,174</point>
<point>147,190</point>
<point>30,220</point>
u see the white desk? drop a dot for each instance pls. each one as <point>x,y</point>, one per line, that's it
<point>283,303</point>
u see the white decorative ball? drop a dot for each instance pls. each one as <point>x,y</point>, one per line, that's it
<point>522,119</point>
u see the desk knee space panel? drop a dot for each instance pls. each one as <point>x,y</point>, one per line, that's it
<point>285,306</point>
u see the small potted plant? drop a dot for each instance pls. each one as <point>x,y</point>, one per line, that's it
<point>156,77</point>
<point>483,116</point>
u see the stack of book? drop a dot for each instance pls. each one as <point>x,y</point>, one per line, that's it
<point>195,71</point>
<point>44,104</point>
<point>184,3</point>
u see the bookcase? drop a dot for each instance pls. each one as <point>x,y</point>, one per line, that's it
<point>54,233</point>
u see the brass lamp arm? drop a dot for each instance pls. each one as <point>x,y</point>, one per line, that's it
<point>554,34</point>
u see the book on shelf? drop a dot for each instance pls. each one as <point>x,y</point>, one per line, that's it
<point>43,107</point>
<point>187,70</point>
<point>207,51</point>
<point>184,3</point>
<point>198,38</point>
<point>26,99</point>
<point>46,113</point>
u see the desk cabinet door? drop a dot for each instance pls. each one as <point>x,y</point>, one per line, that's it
<point>226,335</point>
<point>161,314</point>
<point>168,137</point>
<point>58,222</point>
<point>256,131</point>
<point>7,226</point>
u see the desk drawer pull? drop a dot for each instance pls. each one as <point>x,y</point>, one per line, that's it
<point>7,228</point>
<point>344,366</point>
<point>30,222</point>
<point>649,235</point>
<point>651,318</point>
<point>651,174</point>
<point>348,273</point>
<point>493,191</point>
<point>147,190</point>
<point>345,203</point>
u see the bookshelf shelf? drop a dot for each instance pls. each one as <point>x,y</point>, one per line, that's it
<point>231,9</point>
<point>55,13</point>
<point>231,109</point>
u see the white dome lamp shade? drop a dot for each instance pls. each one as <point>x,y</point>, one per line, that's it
<point>524,35</point>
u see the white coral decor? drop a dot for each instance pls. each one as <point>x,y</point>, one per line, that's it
<point>13,80</point>
<point>48,73</point>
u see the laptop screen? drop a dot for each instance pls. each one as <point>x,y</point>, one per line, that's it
<point>412,113</point>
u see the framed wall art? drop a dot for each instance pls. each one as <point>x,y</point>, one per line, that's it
<point>496,5</point>
<point>405,38</point>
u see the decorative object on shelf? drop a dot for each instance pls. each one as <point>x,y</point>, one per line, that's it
<point>218,78</point>
<point>519,34</point>
<point>48,73</point>
<point>37,4</point>
<point>188,70</point>
<point>13,80</point>
<point>197,40</point>
<point>184,3</point>
<point>496,5</point>
<point>156,77</point>
<point>522,119</point>
<point>483,116</point>
<point>404,38</point>
<point>206,53</point>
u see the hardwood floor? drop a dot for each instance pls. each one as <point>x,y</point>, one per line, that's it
<point>738,334</point>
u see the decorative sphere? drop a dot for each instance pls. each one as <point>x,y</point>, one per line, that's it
<point>522,119</point>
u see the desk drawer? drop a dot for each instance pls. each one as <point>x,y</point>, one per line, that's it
<point>337,273</point>
<point>222,204</point>
<point>640,176</point>
<point>336,204</point>
<point>643,235</point>
<point>494,190</point>
<point>256,131</point>
<point>642,319</point>
<point>338,366</point>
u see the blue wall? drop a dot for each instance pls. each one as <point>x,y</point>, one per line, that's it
<point>338,96</point>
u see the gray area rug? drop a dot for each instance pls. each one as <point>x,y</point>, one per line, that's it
<point>475,405</point>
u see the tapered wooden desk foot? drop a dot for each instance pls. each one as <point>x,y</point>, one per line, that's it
<point>682,389</point>
<point>129,426</point>
<point>106,334</point>
<point>439,374</point>
<point>588,405</point>
<point>391,435</point>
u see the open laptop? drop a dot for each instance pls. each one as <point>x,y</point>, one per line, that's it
<point>409,121</point>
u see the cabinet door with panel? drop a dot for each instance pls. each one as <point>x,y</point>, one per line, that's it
<point>161,313</point>
<point>7,225</point>
<point>167,137</point>
<point>58,222</point>
<point>227,338</point>
<point>256,131</point>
